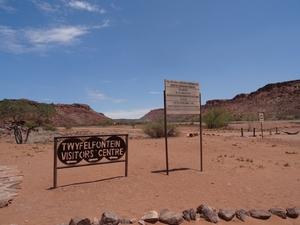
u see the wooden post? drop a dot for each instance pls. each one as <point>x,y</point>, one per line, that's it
<point>242,132</point>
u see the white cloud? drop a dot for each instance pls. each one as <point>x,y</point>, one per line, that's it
<point>41,40</point>
<point>62,35</point>
<point>44,6</point>
<point>86,6</point>
<point>5,7</point>
<point>96,96</point>
<point>114,6</point>
<point>155,92</point>
<point>127,114</point>
<point>8,40</point>
<point>38,40</point>
<point>106,23</point>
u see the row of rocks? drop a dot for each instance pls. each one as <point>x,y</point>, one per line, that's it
<point>174,218</point>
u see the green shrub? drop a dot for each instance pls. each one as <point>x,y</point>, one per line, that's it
<point>250,117</point>
<point>49,128</point>
<point>67,126</point>
<point>216,118</point>
<point>281,117</point>
<point>107,123</point>
<point>156,129</point>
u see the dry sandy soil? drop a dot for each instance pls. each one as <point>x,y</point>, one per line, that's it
<point>238,172</point>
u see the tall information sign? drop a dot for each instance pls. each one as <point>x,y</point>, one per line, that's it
<point>182,97</point>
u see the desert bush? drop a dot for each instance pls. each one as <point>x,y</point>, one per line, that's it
<point>216,118</point>
<point>287,117</point>
<point>49,128</point>
<point>107,123</point>
<point>67,126</point>
<point>250,117</point>
<point>156,129</point>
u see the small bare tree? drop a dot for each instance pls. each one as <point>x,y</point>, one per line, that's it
<point>25,115</point>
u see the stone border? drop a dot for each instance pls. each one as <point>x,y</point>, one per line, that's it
<point>174,218</point>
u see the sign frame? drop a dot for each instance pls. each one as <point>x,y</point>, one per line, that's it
<point>58,141</point>
<point>182,97</point>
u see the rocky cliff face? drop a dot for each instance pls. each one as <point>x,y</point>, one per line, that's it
<point>77,114</point>
<point>74,114</point>
<point>273,99</point>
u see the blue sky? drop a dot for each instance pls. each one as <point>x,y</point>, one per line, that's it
<point>115,55</point>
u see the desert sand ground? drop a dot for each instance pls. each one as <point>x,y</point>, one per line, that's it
<point>238,172</point>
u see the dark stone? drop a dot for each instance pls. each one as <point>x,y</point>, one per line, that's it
<point>260,214</point>
<point>189,214</point>
<point>278,212</point>
<point>79,220</point>
<point>109,218</point>
<point>241,214</point>
<point>226,214</point>
<point>292,213</point>
<point>208,213</point>
<point>192,214</point>
<point>186,215</point>
<point>171,218</point>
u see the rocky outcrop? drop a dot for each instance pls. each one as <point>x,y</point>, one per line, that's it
<point>272,99</point>
<point>77,114</point>
<point>70,115</point>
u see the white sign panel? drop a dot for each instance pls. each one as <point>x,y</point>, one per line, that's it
<point>182,97</point>
<point>261,117</point>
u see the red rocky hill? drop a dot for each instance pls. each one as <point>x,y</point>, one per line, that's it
<point>77,114</point>
<point>273,99</point>
<point>74,114</point>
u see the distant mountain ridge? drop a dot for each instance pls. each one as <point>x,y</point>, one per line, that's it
<point>73,114</point>
<point>275,99</point>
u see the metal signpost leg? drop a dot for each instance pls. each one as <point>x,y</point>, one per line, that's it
<point>126,163</point>
<point>200,124</point>
<point>166,138</point>
<point>55,165</point>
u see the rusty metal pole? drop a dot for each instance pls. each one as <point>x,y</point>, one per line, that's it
<point>55,165</point>
<point>166,138</point>
<point>200,121</point>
